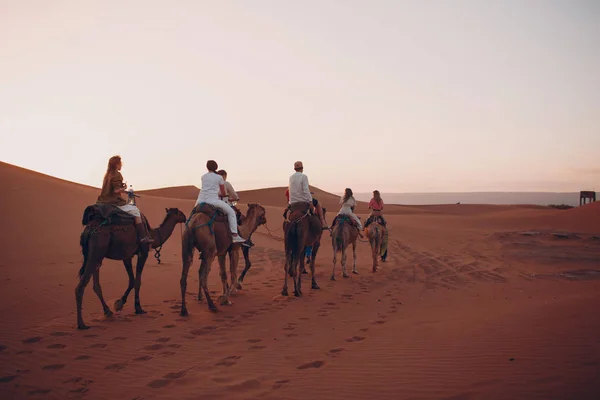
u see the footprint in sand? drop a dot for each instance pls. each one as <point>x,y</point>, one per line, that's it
<point>115,367</point>
<point>291,335</point>
<point>34,339</point>
<point>53,367</point>
<point>154,347</point>
<point>204,331</point>
<point>168,378</point>
<point>336,351</point>
<point>153,331</point>
<point>143,358</point>
<point>167,353</point>
<point>169,326</point>
<point>254,340</point>
<point>378,322</point>
<point>279,384</point>
<point>257,347</point>
<point>158,383</point>
<point>228,361</point>
<point>119,338</point>
<point>84,357</point>
<point>38,391</point>
<point>91,335</point>
<point>98,346</point>
<point>314,364</point>
<point>57,346</point>
<point>60,334</point>
<point>6,379</point>
<point>355,339</point>
<point>163,339</point>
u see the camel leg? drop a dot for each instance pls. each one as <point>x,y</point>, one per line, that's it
<point>344,261</point>
<point>98,290</point>
<point>295,274</point>
<point>207,259</point>
<point>299,277</point>
<point>354,270</point>
<point>374,253</point>
<point>139,268</point>
<point>187,263</point>
<point>246,252</point>
<point>312,265</point>
<point>223,273</point>
<point>234,259</point>
<point>287,270</point>
<point>121,302</point>
<point>83,281</point>
<point>96,248</point>
<point>334,262</point>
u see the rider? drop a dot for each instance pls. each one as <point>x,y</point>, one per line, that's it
<point>376,207</point>
<point>231,196</point>
<point>213,185</point>
<point>348,203</point>
<point>112,187</point>
<point>299,192</point>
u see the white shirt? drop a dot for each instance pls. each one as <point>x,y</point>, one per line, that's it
<point>210,187</point>
<point>231,194</point>
<point>299,191</point>
<point>347,205</point>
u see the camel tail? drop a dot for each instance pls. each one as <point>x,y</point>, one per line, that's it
<point>338,239</point>
<point>84,243</point>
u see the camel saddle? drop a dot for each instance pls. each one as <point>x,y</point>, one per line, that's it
<point>344,218</point>
<point>374,218</point>
<point>215,213</point>
<point>297,211</point>
<point>113,215</point>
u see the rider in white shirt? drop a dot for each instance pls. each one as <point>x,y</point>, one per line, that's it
<point>213,185</point>
<point>232,196</point>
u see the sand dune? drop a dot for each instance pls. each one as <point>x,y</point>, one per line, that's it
<point>475,302</point>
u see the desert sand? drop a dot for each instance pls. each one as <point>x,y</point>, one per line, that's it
<point>474,302</point>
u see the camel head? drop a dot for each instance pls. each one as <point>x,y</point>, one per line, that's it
<point>259,213</point>
<point>175,213</point>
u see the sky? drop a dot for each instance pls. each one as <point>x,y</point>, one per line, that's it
<point>399,96</point>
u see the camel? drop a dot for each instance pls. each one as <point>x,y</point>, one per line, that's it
<point>110,233</point>
<point>345,232</point>
<point>376,234</point>
<point>207,231</point>
<point>301,229</point>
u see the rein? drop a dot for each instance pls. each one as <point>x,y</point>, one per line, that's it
<point>159,248</point>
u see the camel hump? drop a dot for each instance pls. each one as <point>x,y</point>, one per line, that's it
<point>106,212</point>
<point>211,211</point>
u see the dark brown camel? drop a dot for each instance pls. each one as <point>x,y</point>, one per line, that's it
<point>301,229</point>
<point>207,230</point>
<point>345,232</point>
<point>375,235</point>
<point>110,233</point>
